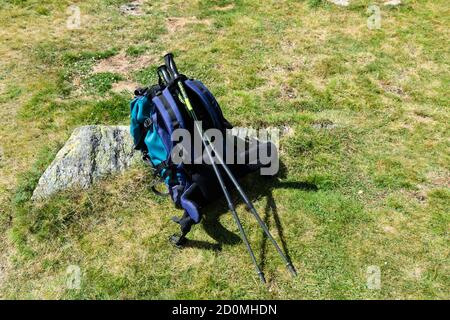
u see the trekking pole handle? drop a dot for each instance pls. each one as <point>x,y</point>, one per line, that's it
<point>171,66</point>
<point>164,73</point>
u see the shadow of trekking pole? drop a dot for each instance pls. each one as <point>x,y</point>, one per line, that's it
<point>271,209</point>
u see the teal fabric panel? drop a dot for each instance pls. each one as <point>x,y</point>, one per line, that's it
<point>156,150</point>
<point>140,108</point>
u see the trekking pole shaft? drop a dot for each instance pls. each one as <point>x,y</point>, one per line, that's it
<point>256,215</point>
<point>245,198</point>
<point>238,187</point>
<point>163,74</point>
<point>207,145</point>
<point>187,102</point>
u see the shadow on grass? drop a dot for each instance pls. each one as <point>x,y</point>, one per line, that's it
<point>199,244</point>
<point>263,187</point>
<point>271,209</point>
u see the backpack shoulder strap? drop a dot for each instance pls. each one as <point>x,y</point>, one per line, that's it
<point>165,109</point>
<point>174,106</point>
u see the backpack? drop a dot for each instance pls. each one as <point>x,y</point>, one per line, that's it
<point>156,112</point>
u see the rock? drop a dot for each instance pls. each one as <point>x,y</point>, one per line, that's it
<point>92,152</point>
<point>393,3</point>
<point>132,9</point>
<point>343,3</point>
<point>324,124</point>
<point>286,130</point>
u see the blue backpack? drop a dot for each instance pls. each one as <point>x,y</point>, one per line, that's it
<point>156,113</point>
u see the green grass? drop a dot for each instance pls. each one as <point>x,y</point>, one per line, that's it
<point>99,83</point>
<point>365,164</point>
<point>136,50</point>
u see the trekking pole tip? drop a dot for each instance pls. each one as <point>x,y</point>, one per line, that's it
<point>261,276</point>
<point>292,269</point>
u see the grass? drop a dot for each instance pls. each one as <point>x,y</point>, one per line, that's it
<point>365,178</point>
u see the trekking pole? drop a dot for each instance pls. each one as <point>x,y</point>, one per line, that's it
<point>252,209</point>
<point>208,146</point>
<point>163,74</point>
<point>170,63</point>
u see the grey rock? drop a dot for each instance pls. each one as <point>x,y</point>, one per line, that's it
<point>342,3</point>
<point>286,130</point>
<point>324,124</point>
<point>393,3</point>
<point>92,152</point>
<point>132,9</point>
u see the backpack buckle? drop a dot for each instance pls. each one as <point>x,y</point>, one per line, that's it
<point>147,123</point>
<point>140,91</point>
<point>146,158</point>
